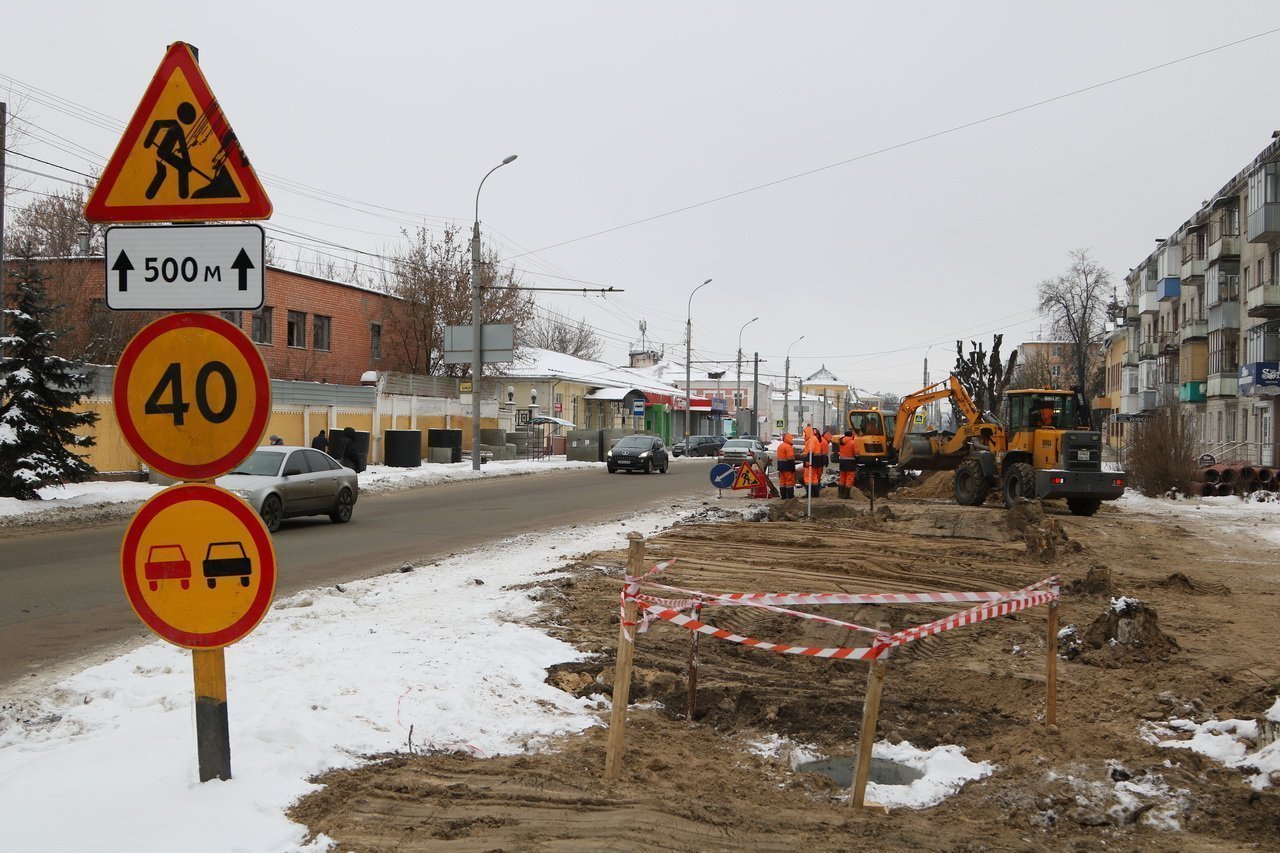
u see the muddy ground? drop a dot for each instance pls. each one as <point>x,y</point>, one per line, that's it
<point>1208,650</point>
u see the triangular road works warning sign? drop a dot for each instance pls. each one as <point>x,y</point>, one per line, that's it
<point>747,477</point>
<point>178,160</point>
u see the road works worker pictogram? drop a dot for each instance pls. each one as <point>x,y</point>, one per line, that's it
<point>178,160</point>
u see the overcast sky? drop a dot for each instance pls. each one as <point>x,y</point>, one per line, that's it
<point>659,145</point>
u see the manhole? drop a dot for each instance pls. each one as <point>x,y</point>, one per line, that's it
<point>883,771</point>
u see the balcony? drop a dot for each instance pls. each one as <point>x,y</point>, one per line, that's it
<point>1148,350</point>
<point>1226,246</point>
<point>1099,404</point>
<point>1168,289</point>
<point>1129,358</point>
<point>1147,302</point>
<point>1148,399</point>
<point>1193,268</point>
<point>1224,315</point>
<point>1264,301</point>
<point>1129,404</point>
<point>1263,224</point>
<point>1131,315</point>
<point>1223,385</point>
<point>1192,392</point>
<point>1193,330</point>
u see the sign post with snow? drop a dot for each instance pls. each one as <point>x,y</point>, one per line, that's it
<point>191,392</point>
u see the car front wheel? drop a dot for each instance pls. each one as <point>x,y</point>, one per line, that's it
<point>342,507</point>
<point>272,512</point>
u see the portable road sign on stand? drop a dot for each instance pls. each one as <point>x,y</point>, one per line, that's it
<point>191,392</point>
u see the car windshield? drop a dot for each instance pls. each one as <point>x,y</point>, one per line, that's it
<point>262,463</point>
<point>635,442</point>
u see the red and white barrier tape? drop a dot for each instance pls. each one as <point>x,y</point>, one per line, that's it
<point>802,598</point>
<point>1009,602</point>
<point>691,624</point>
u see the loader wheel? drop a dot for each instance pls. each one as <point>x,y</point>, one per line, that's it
<point>971,486</point>
<point>1019,482</point>
<point>1083,506</point>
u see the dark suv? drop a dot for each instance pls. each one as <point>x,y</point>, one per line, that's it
<point>699,445</point>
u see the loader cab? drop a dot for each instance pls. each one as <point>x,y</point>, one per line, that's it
<point>1032,409</point>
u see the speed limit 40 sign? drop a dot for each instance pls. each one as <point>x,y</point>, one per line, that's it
<point>192,396</point>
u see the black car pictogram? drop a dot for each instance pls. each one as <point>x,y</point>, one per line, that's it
<point>226,560</point>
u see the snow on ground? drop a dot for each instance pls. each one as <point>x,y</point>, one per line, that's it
<point>436,658</point>
<point>1232,743</point>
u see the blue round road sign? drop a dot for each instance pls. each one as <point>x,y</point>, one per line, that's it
<point>722,475</point>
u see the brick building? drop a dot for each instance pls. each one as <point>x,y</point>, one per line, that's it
<point>309,328</point>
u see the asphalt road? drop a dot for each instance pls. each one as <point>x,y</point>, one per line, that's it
<point>62,599</point>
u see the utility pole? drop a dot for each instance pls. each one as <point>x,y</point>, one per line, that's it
<point>4,144</point>
<point>755,396</point>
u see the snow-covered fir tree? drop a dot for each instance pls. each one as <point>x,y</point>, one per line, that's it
<point>38,391</point>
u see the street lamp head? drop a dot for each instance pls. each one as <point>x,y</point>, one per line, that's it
<point>708,281</point>
<point>507,160</point>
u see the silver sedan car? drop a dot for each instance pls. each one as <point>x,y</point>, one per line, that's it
<point>283,482</point>
<point>739,450</point>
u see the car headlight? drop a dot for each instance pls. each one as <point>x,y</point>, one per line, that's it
<point>609,455</point>
<point>644,455</point>
<point>244,493</point>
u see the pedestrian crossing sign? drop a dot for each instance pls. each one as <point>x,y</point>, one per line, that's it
<point>748,477</point>
<point>178,160</point>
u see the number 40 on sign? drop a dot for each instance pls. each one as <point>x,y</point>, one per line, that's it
<point>192,396</point>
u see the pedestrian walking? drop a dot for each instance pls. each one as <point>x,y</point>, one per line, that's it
<point>320,442</point>
<point>350,450</point>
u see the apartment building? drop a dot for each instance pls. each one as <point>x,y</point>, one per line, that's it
<point>1201,328</point>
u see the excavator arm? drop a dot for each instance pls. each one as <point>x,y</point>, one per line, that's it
<point>949,387</point>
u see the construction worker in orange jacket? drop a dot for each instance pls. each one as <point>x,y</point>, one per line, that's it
<point>786,467</point>
<point>848,463</point>
<point>824,448</point>
<point>814,461</point>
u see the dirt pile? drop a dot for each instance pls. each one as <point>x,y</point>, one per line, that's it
<point>1090,782</point>
<point>1130,623</point>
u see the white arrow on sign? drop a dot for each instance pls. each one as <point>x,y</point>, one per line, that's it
<point>185,267</point>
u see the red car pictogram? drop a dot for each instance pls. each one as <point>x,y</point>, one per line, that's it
<point>167,562</point>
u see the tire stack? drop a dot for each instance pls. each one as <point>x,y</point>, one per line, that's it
<point>1237,478</point>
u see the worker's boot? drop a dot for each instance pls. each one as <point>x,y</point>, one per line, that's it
<point>844,492</point>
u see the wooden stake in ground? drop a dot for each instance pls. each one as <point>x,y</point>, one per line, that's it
<point>1051,667</point>
<point>691,703</point>
<point>622,666</point>
<point>867,737</point>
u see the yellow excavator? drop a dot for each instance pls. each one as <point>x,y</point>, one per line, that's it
<point>873,440</point>
<point>1041,447</point>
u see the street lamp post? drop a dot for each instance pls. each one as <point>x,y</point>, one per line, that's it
<point>786,389</point>
<point>688,363</point>
<point>476,357</point>
<point>738,389</point>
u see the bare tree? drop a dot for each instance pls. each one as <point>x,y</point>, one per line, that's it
<point>51,226</point>
<point>1035,372</point>
<point>984,376</point>
<point>432,277</point>
<point>1076,305</point>
<point>553,334</point>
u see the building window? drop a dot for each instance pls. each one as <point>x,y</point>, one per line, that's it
<point>320,334</point>
<point>262,325</point>
<point>296,329</point>
<point>375,340</point>
<point>235,318</point>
